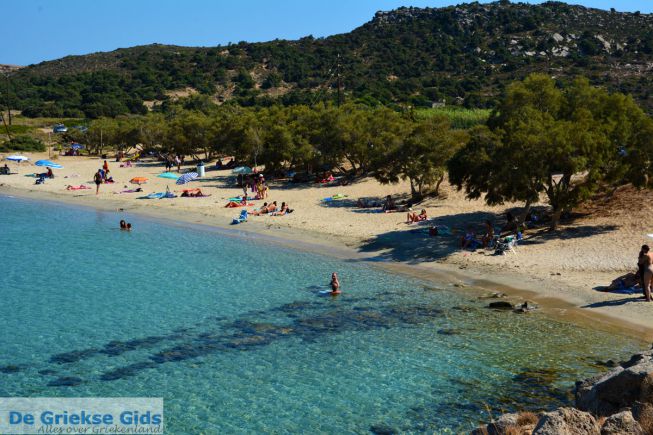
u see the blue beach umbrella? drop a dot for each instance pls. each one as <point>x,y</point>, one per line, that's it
<point>17,158</point>
<point>169,175</point>
<point>48,164</point>
<point>185,178</point>
<point>77,146</point>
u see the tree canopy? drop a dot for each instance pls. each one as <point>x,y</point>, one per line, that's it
<point>563,143</point>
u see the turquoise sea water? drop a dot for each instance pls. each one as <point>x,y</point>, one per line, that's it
<point>232,333</point>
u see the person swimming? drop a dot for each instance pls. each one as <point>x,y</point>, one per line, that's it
<point>335,284</point>
<point>123,225</point>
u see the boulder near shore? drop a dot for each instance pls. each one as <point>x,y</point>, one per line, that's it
<point>619,402</point>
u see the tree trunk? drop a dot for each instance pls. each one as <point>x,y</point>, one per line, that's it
<point>555,218</point>
<point>437,185</point>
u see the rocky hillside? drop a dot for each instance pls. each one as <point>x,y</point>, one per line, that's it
<point>460,54</point>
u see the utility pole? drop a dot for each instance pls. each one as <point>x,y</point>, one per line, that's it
<point>339,80</point>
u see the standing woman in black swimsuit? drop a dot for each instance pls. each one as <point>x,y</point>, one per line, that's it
<point>648,275</point>
<point>641,267</point>
<point>97,178</point>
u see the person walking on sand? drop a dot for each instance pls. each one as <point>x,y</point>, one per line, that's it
<point>97,178</point>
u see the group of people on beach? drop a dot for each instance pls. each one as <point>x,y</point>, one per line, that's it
<point>102,176</point>
<point>256,183</point>
<point>272,209</point>
<point>176,160</point>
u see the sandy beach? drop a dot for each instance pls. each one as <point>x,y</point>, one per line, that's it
<point>560,270</point>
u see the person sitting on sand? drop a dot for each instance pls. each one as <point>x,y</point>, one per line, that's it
<point>5,170</point>
<point>389,204</point>
<point>49,173</point>
<point>335,283</point>
<point>414,217</point>
<point>469,239</point>
<point>511,224</point>
<point>489,233</point>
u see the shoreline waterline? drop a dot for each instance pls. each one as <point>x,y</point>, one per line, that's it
<point>472,282</point>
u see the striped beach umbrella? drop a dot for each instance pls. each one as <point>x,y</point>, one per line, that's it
<point>48,164</point>
<point>187,177</point>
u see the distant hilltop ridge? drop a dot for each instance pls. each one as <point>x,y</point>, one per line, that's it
<point>461,54</point>
<point>9,68</point>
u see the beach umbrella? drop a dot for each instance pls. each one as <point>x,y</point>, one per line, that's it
<point>17,158</point>
<point>169,175</point>
<point>138,180</point>
<point>243,170</point>
<point>188,176</point>
<point>48,164</point>
<point>77,146</point>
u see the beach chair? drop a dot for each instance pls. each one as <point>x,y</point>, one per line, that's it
<point>240,219</point>
<point>506,245</point>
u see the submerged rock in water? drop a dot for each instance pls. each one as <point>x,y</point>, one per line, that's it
<point>495,295</point>
<point>568,421</point>
<point>66,381</point>
<point>501,305</point>
<point>9,369</point>
<point>446,331</point>
<point>74,356</point>
<point>382,429</point>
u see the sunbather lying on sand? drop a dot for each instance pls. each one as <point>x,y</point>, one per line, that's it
<point>193,193</point>
<point>80,187</point>
<point>414,217</point>
<point>129,191</point>
<point>271,208</point>
<point>241,203</point>
<point>283,210</point>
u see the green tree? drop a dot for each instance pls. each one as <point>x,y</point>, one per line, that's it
<point>563,143</point>
<point>422,156</point>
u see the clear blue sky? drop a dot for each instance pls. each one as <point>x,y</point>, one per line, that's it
<point>36,30</point>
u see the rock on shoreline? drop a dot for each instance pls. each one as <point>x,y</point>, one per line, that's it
<point>618,402</point>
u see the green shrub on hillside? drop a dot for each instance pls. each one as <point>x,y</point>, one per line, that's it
<point>22,143</point>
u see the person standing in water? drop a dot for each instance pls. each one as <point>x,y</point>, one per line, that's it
<point>335,284</point>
